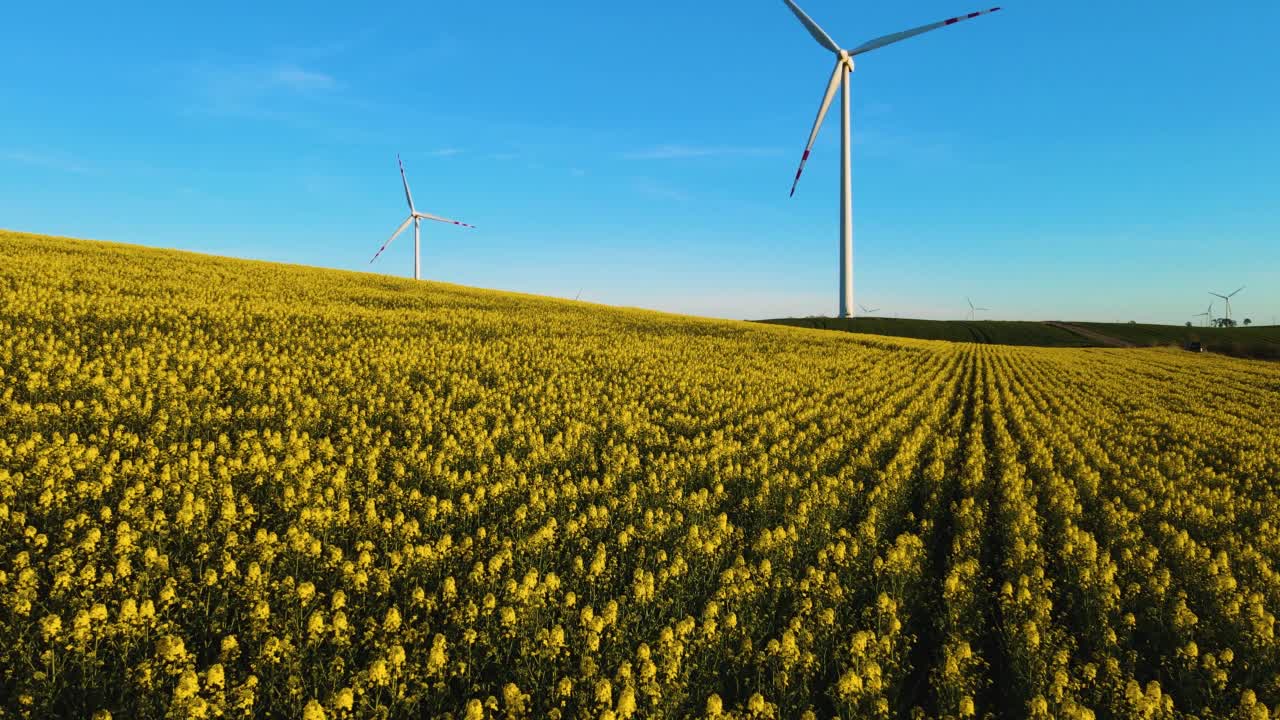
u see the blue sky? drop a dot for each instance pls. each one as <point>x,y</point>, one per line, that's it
<point>1086,160</point>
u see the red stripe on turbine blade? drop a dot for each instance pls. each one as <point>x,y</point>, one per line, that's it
<point>805,156</point>
<point>952,21</point>
<point>972,15</point>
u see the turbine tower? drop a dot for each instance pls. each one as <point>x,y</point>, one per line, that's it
<point>973,311</point>
<point>416,218</point>
<point>840,76</point>
<point>1227,298</point>
<point>1207,314</point>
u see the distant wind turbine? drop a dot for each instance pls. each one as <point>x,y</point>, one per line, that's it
<point>840,75</point>
<point>868,310</point>
<point>416,218</point>
<point>1207,314</point>
<point>1227,298</point>
<point>973,311</point>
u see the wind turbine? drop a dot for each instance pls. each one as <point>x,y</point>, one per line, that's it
<point>868,310</point>
<point>416,218</point>
<point>840,75</point>
<point>1207,314</point>
<point>973,311</point>
<point>1227,298</point>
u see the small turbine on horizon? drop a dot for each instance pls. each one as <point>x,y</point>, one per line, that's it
<point>840,76</point>
<point>973,311</point>
<point>1227,299</point>
<point>1207,314</point>
<point>868,310</point>
<point>416,218</point>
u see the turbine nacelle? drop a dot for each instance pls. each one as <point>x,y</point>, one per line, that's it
<point>844,60</point>
<point>840,77</point>
<point>416,219</point>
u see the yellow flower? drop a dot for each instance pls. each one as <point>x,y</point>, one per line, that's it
<point>626,703</point>
<point>513,698</point>
<point>340,624</point>
<point>315,623</point>
<point>438,657</point>
<point>849,685</point>
<point>215,677</point>
<point>230,649</point>
<point>50,626</point>
<point>170,648</point>
<point>261,611</point>
<point>306,591</point>
<point>188,686</point>
<point>391,622</point>
<point>604,692</point>
<point>344,700</point>
<point>313,711</point>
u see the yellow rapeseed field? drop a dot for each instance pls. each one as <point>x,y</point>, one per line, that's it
<point>233,489</point>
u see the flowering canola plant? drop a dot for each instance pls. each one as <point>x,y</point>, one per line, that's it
<point>233,489</point>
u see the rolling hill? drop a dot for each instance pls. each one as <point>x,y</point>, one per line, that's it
<point>995,332</point>
<point>243,489</point>
<point>1259,342</point>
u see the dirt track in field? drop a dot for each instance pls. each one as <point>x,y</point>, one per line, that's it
<point>1093,335</point>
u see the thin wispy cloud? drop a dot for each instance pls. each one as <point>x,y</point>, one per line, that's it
<point>299,80</point>
<point>904,146</point>
<point>325,50</point>
<point>445,152</point>
<point>47,160</point>
<point>659,191</point>
<point>257,90</point>
<point>684,152</point>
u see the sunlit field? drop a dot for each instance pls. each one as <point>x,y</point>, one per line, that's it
<point>233,489</point>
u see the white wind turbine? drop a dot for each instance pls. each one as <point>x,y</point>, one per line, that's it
<point>840,75</point>
<point>973,311</point>
<point>416,218</point>
<point>868,310</point>
<point>1207,314</point>
<point>1227,298</point>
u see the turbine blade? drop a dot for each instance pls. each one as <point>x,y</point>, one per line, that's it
<point>817,125</point>
<point>399,230</point>
<point>407,195</point>
<point>1224,297</point>
<point>1234,293</point>
<point>823,39</point>
<point>437,218</point>
<point>898,37</point>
